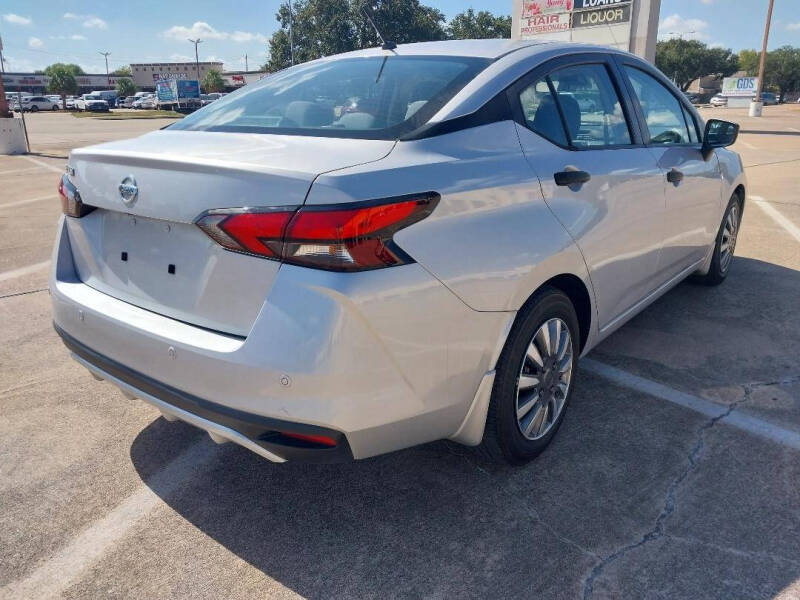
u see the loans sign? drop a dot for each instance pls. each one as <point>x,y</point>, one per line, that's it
<point>581,4</point>
<point>602,16</point>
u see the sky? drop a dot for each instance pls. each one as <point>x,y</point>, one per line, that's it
<point>36,34</point>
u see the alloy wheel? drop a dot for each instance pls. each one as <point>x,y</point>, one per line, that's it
<point>544,379</point>
<point>729,234</point>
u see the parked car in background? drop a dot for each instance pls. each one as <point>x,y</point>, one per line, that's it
<point>91,102</point>
<point>719,100</point>
<point>769,99</point>
<point>110,96</point>
<point>35,104</point>
<point>209,98</point>
<point>55,98</point>
<point>693,97</point>
<point>320,284</point>
<point>71,102</point>
<point>145,102</point>
<point>128,102</point>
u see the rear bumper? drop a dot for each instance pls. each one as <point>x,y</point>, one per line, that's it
<point>263,435</point>
<point>380,360</point>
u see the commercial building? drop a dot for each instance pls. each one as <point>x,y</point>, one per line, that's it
<point>36,83</point>
<point>145,75</point>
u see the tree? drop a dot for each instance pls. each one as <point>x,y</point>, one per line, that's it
<point>470,25</point>
<point>62,82</point>
<point>325,27</point>
<point>71,67</point>
<point>125,87</point>
<point>123,72</point>
<point>782,70</point>
<point>687,60</point>
<point>748,62</point>
<point>213,82</point>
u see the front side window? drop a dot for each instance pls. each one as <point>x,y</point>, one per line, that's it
<point>662,111</point>
<point>374,97</point>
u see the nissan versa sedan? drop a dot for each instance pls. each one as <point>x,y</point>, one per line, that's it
<point>392,246</point>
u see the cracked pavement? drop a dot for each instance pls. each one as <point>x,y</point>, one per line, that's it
<point>638,497</point>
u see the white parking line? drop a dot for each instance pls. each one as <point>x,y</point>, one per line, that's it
<point>13,273</point>
<point>778,217</point>
<point>15,171</point>
<point>49,579</point>
<point>746,145</point>
<point>754,425</point>
<point>793,129</point>
<point>43,164</point>
<point>28,201</point>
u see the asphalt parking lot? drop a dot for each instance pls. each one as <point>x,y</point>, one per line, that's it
<point>676,473</point>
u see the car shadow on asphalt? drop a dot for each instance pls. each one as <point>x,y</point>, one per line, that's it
<point>437,520</point>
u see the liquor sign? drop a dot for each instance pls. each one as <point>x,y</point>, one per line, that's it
<point>533,8</point>
<point>162,76</point>
<point>544,24</point>
<point>602,16</point>
<point>739,86</point>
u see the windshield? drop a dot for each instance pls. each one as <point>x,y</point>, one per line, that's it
<point>372,97</point>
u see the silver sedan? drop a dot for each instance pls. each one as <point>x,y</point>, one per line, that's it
<point>389,247</point>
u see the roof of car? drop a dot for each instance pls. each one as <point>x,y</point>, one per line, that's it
<point>478,48</point>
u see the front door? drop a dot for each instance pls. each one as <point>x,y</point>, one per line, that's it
<point>599,181</point>
<point>691,182</point>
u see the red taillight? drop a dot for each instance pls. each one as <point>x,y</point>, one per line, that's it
<point>351,237</point>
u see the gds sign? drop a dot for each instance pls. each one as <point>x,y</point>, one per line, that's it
<point>739,86</point>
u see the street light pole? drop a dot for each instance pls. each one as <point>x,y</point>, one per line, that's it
<point>197,60</point>
<point>757,105</point>
<point>291,32</point>
<point>108,79</point>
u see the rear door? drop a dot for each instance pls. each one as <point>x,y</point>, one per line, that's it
<point>580,137</point>
<point>691,182</point>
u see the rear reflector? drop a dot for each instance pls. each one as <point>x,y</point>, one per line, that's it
<point>320,440</point>
<point>71,203</point>
<point>342,237</point>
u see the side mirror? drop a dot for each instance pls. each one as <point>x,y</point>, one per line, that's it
<point>719,134</point>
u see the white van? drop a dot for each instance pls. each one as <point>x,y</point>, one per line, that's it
<point>109,96</point>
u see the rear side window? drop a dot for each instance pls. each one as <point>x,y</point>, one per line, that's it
<point>581,99</point>
<point>663,112</point>
<point>373,97</point>
<point>541,112</point>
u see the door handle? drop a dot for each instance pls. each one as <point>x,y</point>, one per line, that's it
<point>674,176</point>
<point>571,177</point>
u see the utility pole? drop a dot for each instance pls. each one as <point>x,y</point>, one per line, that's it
<point>246,69</point>
<point>197,60</point>
<point>2,62</point>
<point>108,79</point>
<point>4,112</point>
<point>756,106</point>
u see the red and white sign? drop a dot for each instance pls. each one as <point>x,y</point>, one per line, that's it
<point>540,24</point>
<point>533,8</point>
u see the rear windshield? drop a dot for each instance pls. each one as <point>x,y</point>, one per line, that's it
<point>367,97</point>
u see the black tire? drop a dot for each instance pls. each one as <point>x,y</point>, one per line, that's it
<point>719,270</point>
<point>503,440</point>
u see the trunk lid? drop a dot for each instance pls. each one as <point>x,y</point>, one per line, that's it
<point>148,252</point>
